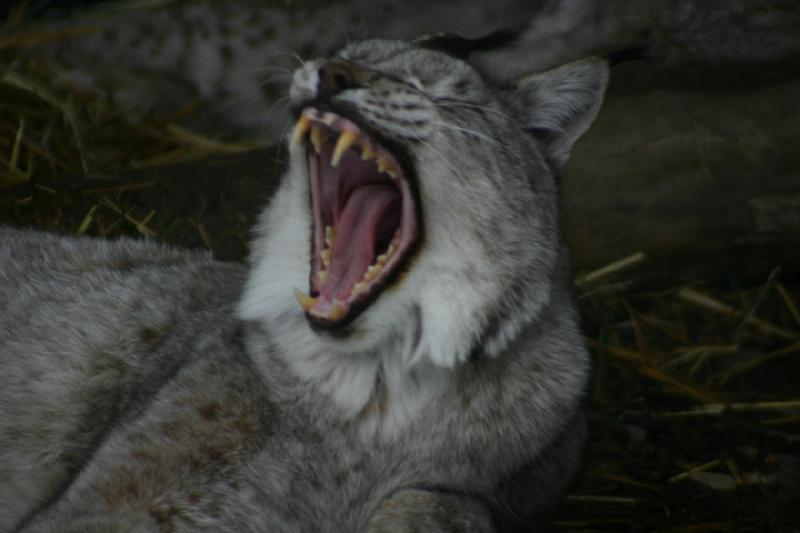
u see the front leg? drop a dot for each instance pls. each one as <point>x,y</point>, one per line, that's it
<point>413,510</point>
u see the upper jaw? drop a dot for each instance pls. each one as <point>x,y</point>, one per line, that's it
<point>366,217</point>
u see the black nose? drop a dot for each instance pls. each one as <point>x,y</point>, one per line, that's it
<point>335,77</point>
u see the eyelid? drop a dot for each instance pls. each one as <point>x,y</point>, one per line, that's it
<point>414,82</point>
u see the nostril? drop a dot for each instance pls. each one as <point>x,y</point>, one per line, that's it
<point>339,80</point>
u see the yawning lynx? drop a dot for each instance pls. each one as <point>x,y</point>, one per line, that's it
<point>402,355</point>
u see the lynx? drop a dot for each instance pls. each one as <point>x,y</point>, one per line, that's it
<point>402,352</point>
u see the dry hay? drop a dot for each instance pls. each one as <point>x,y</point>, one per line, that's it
<point>694,405</point>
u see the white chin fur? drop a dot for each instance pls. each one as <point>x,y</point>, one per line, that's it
<point>386,338</point>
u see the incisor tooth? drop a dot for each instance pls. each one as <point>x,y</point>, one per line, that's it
<point>385,166</point>
<point>367,154</point>
<point>306,301</point>
<point>317,136</point>
<point>336,312</point>
<point>328,118</point>
<point>346,140</point>
<point>300,129</point>
<point>372,272</point>
<point>329,234</point>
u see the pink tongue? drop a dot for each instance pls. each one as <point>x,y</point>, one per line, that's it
<point>372,212</point>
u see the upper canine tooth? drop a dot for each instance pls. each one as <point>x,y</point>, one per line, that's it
<point>306,301</point>
<point>346,140</point>
<point>317,136</point>
<point>300,129</point>
<point>329,235</point>
<point>326,257</point>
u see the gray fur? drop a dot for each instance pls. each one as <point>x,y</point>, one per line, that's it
<point>151,388</point>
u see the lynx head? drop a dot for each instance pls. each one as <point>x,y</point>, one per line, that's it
<point>418,218</point>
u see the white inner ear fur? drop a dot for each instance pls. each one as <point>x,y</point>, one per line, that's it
<point>563,101</point>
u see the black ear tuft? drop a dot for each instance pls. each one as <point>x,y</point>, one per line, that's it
<point>635,52</point>
<point>461,47</point>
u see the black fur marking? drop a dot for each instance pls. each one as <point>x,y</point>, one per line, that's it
<point>460,47</point>
<point>636,52</point>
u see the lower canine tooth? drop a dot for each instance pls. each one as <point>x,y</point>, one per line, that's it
<point>300,129</point>
<point>336,312</point>
<point>306,301</point>
<point>317,136</point>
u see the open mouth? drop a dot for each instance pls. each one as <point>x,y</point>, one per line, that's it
<point>365,217</point>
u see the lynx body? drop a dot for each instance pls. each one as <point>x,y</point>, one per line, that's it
<point>401,354</point>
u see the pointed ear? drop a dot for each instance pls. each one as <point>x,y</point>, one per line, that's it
<point>559,105</point>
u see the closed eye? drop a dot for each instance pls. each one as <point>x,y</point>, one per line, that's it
<point>414,82</point>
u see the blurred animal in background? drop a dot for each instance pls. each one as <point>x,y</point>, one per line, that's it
<point>235,57</point>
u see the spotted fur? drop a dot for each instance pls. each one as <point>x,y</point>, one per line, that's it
<point>151,388</point>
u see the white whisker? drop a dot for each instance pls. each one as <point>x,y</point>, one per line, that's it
<point>283,78</point>
<point>281,137</point>
<point>458,103</point>
<point>444,159</point>
<point>286,53</point>
<point>271,108</point>
<point>281,70</point>
<point>477,134</point>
